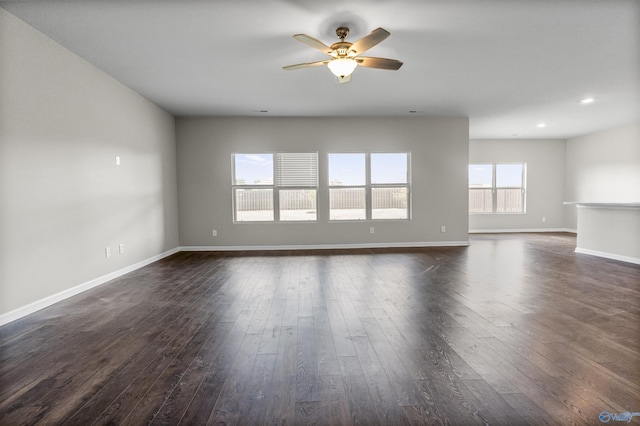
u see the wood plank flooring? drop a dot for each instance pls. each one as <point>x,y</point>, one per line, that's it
<point>515,329</point>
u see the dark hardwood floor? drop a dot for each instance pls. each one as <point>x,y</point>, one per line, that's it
<point>515,329</point>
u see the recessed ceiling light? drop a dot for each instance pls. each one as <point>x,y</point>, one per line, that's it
<point>542,125</point>
<point>586,101</point>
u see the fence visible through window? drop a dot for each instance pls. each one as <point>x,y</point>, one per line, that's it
<point>497,188</point>
<point>509,200</point>
<point>284,186</point>
<point>480,200</point>
<point>347,203</point>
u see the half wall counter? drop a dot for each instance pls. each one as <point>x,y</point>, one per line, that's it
<point>610,230</point>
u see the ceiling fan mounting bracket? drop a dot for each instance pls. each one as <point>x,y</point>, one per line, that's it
<point>342,32</point>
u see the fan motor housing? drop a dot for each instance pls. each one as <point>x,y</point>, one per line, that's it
<point>341,48</point>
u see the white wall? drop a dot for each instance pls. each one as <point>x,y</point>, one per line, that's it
<point>439,150</point>
<point>545,159</point>
<point>603,167</point>
<point>62,198</point>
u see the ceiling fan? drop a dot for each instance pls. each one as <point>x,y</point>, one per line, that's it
<point>345,56</point>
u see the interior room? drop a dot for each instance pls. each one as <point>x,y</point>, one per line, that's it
<point>202,223</point>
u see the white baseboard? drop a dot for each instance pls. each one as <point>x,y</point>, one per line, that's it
<point>520,230</point>
<point>606,255</point>
<point>65,294</point>
<point>327,246</point>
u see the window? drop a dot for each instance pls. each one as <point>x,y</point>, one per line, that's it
<point>297,183</point>
<point>480,188</point>
<point>497,188</point>
<point>262,182</point>
<point>389,186</point>
<point>368,186</point>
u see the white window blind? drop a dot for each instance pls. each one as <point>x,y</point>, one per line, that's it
<point>297,169</point>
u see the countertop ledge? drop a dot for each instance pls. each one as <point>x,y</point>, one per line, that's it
<point>603,205</point>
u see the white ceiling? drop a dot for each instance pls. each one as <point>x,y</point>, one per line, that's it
<point>506,64</point>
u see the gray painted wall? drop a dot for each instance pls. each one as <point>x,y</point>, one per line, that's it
<point>439,150</point>
<point>545,159</point>
<point>603,167</point>
<point>62,198</point>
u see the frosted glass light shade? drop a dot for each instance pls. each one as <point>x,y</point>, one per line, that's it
<point>342,67</point>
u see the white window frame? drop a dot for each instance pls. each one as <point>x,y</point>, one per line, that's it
<point>276,187</point>
<point>495,188</point>
<point>368,187</point>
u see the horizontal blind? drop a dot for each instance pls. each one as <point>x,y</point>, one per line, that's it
<point>297,169</point>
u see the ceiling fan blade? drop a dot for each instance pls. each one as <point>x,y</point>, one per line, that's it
<point>305,65</point>
<point>368,41</point>
<point>382,63</point>
<point>313,42</point>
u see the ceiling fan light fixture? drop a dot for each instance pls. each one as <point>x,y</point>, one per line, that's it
<point>342,67</point>
<point>346,56</point>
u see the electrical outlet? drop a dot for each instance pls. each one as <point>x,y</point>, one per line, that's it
<point>544,219</point>
<point>214,233</point>
<point>107,252</point>
<point>121,248</point>
<point>372,230</point>
<point>117,160</point>
<point>443,228</point>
